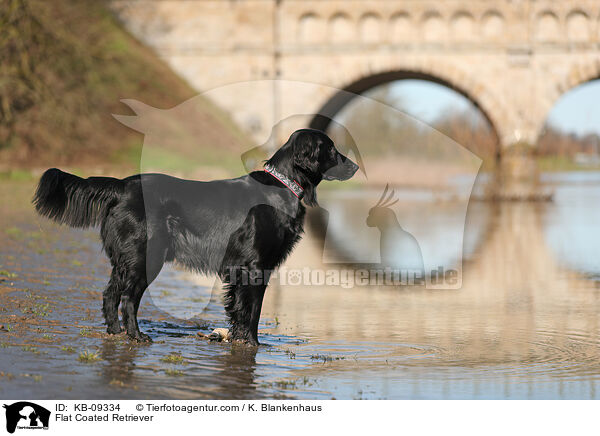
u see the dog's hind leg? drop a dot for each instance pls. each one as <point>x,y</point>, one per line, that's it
<point>110,304</point>
<point>139,277</point>
<point>130,304</point>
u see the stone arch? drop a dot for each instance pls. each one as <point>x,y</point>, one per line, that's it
<point>492,25</point>
<point>578,26</point>
<point>370,28</point>
<point>311,28</point>
<point>443,75</point>
<point>547,27</point>
<point>433,27</point>
<point>462,26</point>
<point>401,27</point>
<point>341,28</point>
<point>577,75</point>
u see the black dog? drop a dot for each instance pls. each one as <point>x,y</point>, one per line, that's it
<point>240,229</point>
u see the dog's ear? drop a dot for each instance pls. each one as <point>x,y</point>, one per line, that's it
<point>306,151</point>
<point>283,159</point>
<point>310,195</point>
<point>298,158</point>
<point>306,157</point>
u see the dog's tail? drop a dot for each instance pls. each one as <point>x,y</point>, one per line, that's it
<point>77,202</point>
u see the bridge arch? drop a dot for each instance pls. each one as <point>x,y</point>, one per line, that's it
<point>341,28</point>
<point>492,25</point>
<point>311,28</point>
<point>475,93</point>
<point>578,26</point>
<point>578,74</point>
<point>401,27</point>
<point>547,27</point>
<point>433,27</point>
<point>370,28</point>
<point>463,26</point>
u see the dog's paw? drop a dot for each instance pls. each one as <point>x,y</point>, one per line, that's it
<point>114,330</point>
<point>140,337</point>
<point>251,342</point>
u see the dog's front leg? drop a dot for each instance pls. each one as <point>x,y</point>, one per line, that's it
<point>244,303</point>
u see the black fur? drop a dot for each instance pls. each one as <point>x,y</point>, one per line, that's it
<point>239,229</point>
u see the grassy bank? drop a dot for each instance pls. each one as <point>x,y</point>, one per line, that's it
<point>562,163</point>
<point>65,65</point>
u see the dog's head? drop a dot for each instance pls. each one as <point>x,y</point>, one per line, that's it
<point>310,156</point>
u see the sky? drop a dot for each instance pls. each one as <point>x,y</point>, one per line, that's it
<point>578,111</point>
<point>426,100</point>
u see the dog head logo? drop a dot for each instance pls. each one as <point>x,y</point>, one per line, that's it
<point>400,235</point>
<point>26,415</point>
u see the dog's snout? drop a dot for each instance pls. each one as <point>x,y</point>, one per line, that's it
<point>353,167</point>
<point>349,167</point>
<point>344,169</point>
<point>347,162</point>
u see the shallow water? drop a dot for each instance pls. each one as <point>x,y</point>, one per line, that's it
<point>523,325</point>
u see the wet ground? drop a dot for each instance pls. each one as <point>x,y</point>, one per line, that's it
<point>525,323</point>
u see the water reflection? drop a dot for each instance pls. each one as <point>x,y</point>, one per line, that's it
<point>120,357</point>
<point>239,371</point>
<point>571,225</point>
<point>523,325</point>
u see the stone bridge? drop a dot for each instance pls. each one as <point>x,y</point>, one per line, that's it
<point>512,58</point>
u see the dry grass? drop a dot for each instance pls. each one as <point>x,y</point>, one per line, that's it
<point>65,65</point>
